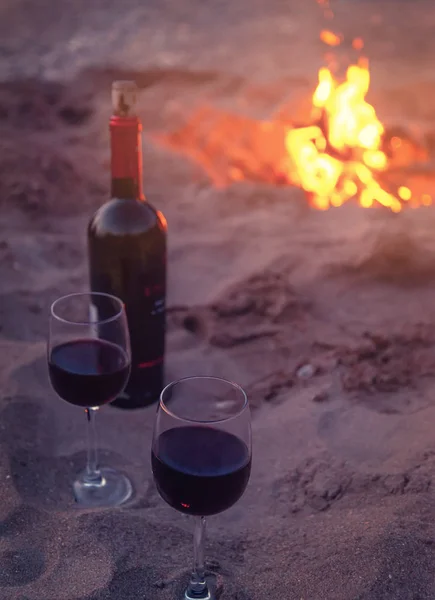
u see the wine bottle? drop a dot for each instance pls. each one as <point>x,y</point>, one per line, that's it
<point>127,253</point>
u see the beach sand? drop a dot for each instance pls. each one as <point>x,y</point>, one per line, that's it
<point>326,318</point>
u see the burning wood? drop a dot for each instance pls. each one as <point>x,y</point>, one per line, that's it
<point>343,153</point>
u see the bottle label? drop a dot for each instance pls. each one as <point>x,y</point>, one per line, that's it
<point>151,363</point>
<point>153,328</point>
<point>146,311</point>
<point>146,315</point>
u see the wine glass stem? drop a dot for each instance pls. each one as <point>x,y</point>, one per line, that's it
<point>198,586</point>
<point>93,474</point>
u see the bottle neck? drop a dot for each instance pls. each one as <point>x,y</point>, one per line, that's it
<point>126,157</point>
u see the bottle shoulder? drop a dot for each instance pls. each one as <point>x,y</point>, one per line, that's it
<point>126,216</point>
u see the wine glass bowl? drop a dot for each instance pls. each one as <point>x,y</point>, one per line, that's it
<point>88,355</point>
<point>201,454</point>
<point>88,358</point>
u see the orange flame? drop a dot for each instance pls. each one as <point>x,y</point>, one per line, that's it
<point>341,156</point>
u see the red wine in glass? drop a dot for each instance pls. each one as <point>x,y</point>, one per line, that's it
<point>201,456</point>
<point>88,372</point>
<point>88,354</point>
<point>200,470</point>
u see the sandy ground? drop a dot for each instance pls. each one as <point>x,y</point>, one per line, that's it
<point>341,500</point>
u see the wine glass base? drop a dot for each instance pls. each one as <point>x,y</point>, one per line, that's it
<point>113,489</point>
<point>191,595</point>
<point>204,596</point>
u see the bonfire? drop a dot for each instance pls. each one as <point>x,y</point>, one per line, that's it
<point>343,153</point>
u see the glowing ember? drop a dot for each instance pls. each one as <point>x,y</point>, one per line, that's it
<point>358,44</point>
<point>330,38</point>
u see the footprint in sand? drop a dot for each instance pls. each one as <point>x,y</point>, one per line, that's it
<point>42,553</point>
<point>21,566</point>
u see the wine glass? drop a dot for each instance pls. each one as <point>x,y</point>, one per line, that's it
<point>201,455</point>
<point>88,355</point>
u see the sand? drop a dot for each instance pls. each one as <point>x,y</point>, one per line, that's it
<point>327,319</point>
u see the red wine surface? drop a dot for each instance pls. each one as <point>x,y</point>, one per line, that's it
<point>200,470</point>
<point>88,372</point>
